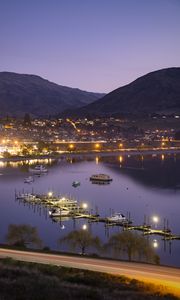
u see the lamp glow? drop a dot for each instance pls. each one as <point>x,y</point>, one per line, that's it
<point>84,227</point>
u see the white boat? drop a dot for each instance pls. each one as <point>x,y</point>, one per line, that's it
<point>25,196</point>
<point>118,217</point>
<point>28,179</point>
<point>76,183</point>
<point>64,202</point>
<point>39,169</point>
<point>101,178</point>
<point>30,198</point>
<point>59,212</point>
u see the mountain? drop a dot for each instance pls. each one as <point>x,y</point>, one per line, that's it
<point>157,92</point>
<point>21,93</point>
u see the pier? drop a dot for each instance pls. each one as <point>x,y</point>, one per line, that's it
<point>79,211</point>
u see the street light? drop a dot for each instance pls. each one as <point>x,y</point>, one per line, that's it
<point>50,194</point>
<point>84,205</point>
<point>155,220</point>
<point>71,146</point>
<point>97,146</point>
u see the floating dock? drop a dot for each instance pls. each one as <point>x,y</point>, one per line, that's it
<point>79,211</point>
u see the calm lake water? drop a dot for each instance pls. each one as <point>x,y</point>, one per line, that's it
<point>143,186</point>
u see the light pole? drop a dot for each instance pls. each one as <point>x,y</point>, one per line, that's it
<point>155,220</point>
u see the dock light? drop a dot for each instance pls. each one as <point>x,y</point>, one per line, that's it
<point>84,205</point>
<point>50,194</point>
<point>155,244</point>
<point>162,157</point>
<point>84,227</point>
<point>155,219</point>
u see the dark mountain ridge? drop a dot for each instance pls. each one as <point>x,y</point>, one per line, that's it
<point>22,93</point>
<point>156,92</point>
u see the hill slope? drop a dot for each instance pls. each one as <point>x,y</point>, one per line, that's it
<point>156,92</point>
<point>20,93</point>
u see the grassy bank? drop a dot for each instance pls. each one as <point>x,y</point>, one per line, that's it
<point>20,280</point>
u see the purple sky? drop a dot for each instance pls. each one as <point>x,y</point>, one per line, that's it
<point>95,45</point>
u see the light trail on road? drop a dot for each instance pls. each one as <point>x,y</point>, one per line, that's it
<point>167,277</point>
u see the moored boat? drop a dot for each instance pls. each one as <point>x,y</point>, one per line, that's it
<point>26,196</point>
<point>100,178</point>
<point>28,179</point>
<point>59,212</point>
<point>117,218</point>
<point>37,170</point>
<point>76,183</point>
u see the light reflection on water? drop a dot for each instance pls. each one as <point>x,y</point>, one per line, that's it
<point>142,186</point>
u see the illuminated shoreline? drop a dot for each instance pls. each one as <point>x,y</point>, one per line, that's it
<point>125,152</point>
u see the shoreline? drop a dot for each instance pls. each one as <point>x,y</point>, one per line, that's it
<point>124,152</point>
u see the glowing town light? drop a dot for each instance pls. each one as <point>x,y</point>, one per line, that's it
<point>97,146</point>
<point>162,157</point>
<point>71,146</point>
<point>155,244</point>
<point>84,227</point>
<point>162,144</point>
<point>120,145</point>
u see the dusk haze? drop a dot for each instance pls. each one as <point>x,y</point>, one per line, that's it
<point>93,45</point>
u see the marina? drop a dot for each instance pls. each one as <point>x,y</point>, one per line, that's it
<point>43,203</point>
<point>62,206</point>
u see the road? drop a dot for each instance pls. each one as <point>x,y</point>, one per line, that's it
<point>165,276</point>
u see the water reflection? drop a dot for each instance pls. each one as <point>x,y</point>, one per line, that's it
<point>151,172</point>
<point>145,187</point>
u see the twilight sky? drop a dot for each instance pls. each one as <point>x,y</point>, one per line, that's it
<point>95,45</point>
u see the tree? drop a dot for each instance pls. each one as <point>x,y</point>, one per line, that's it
<point>42,146</point>
<point>24,151</point>
<point>6,154</point>
<point>82,239</point>
<point>123,243</point>
<point>23,235</point>
<point>132,245</point>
